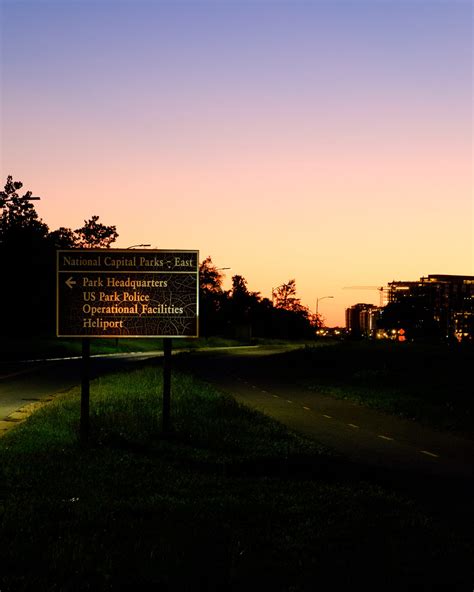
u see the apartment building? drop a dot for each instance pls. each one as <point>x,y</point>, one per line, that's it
<point>437,304</point>
<point>361,320</point>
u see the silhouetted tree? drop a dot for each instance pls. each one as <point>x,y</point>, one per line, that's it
<point>95,235</point>
<point>212,299</point>
<point>23,251</point>
<point>239,286</point>
<point>28,261</point>
<point>285,297</point>
<point>62,238</point>
<point>19,221</point>
<point>291,318</point>
<point>244,308</point>
<point>241,295</point>
<point>210,278</point>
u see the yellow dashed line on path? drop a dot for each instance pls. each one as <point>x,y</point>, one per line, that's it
<point>353,425</point>
<point>327,416</point>
<point>384,437</point>
<point>275,396</point>
<point>288,401</point>
<point>306,408</point>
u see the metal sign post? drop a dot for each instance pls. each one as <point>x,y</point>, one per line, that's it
<point>85,391</point>
<point>166,417</point>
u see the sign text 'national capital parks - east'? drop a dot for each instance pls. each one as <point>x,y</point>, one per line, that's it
<point>123,293</point>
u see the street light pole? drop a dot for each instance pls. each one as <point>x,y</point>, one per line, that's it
<point>317,302</point>
<point>5,198</point>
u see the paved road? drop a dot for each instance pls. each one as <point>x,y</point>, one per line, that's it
<point>358,433</point>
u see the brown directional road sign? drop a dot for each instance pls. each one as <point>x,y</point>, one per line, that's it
<point>125,293</point>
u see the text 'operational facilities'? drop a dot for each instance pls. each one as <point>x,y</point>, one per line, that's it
<point>116,293</point>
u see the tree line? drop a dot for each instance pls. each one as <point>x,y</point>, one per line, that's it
<point>28,291</point>
<point>244,314</point>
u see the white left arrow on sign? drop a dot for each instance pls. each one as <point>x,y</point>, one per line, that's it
<point>70,282</point>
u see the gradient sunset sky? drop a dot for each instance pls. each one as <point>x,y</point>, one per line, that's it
<point>330,142</point>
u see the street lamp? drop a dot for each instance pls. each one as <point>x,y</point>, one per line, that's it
<point>4,199</point>
<point>322,298</point>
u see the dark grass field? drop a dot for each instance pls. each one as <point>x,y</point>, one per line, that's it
<point>216,506</point>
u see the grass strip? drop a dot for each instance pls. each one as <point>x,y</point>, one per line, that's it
<point>212,508</point>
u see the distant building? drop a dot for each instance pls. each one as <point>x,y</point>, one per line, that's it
<point>438,306</point>
<point>434,306</point>
<point>361,320</point>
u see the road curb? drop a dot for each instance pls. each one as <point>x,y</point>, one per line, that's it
<point>22,413</point>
